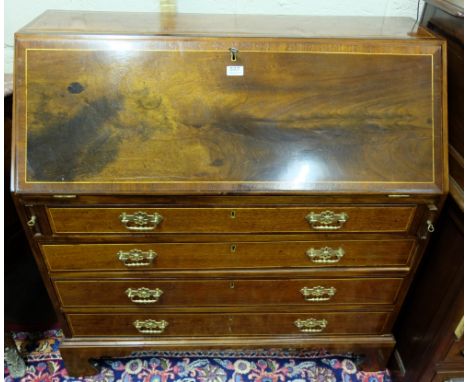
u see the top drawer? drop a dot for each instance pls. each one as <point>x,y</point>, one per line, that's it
<point>231,220</point>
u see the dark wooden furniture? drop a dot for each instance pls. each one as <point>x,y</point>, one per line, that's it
<point>446,19</point>
<point>429,331</point>
<point>195,181</point>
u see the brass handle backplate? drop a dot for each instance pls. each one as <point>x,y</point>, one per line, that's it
<point>150,326</point>
<point>325,255</point>
<point>136,257</point>
<point>140,221</point>
<point>311,325</point>
<point>318,293</point>
<point>144,295</point>
<point>326,220</point>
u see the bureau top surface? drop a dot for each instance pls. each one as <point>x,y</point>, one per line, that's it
<point>218,25</point>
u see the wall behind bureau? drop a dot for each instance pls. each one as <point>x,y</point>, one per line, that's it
<point>20,12</point>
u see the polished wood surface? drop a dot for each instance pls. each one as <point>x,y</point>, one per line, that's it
<point>184,24</point>
<point>188,293</point>
<point>227,175</point>
<point>219,220</point>
<point>235,255</point>
<point>219,130</point>
<point>134,128</point>
<point>211,324</point>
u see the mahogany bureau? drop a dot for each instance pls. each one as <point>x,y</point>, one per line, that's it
<point>195,181</point>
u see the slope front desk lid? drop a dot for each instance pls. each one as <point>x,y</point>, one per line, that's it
<point>189,115</point>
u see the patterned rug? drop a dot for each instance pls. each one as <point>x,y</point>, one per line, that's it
<point>44,364</point>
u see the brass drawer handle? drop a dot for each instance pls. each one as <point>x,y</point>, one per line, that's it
<point>144,295</point>
<point>325,255</point>
<point>136,258</point>
<point>311,325</point>
<point>318,293</point>
<point>460,329</point>
<point>32,221</point>
<point>141,221</point>
<point>150,326</point>
<point>326,220</point>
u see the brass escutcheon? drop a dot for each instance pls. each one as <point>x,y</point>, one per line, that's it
<point>150,326</point>
<point>233,52</point>
<point>326,220</point>
<point>144,295</point>
<point>141,221</point>
<point>311,325</point>
<point>318,293</point>
<point>325,255</point>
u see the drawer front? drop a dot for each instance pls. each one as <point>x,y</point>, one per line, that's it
<point>195,293</point>
<point>234,220</point>
<point>226,324</point>
<point>179,256</point>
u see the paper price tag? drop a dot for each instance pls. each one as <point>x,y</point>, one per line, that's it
<point>235,70</point>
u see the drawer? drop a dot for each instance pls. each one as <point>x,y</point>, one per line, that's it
<point>231,220</point>
<point>186,256</point>
<point>197,293</point>
<point>227,324</point>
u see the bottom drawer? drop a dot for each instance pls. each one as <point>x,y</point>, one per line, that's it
<point>225,324</point>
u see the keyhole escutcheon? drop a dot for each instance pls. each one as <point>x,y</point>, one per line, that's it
<point>234,52</point>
